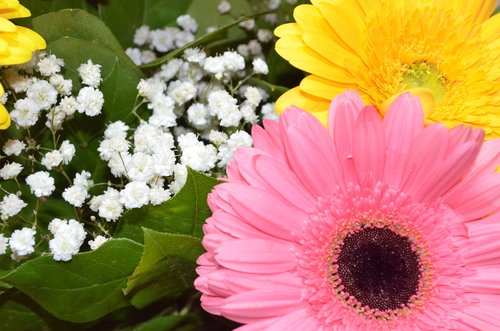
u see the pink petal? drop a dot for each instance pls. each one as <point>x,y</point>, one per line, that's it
<point>485,280</point>
<point>285,183</point>
<point>477,197</point>
<point>266,211</point>
<point>261,304</point>
<point>403,122</point>
<point>483,315</point>
<point>350,103</point>
<point>427,152</point>
<point>257,326</point>
<point>236,227</point>
<point>369,145</point>
<point>488,158</point>
<point>317,171</point>
<point>447,173</point>
<point>268,140</point>
<point>255,256</point>
<point>297,320</point>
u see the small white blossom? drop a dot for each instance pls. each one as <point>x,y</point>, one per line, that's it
<point>248,24</point>
<point>163,111</point>
<point>67,150</point>
<point>90,101</point>
<point>195,154</point>
<point>140,167</point>
<point>170,69</point>
<point>10,170</point>
<point>180,176</point>
<point>75,195</point>
<point>83,179</point>
<point>22,242</point>
<point>13,147</point>
<point>108,205</point>
<point>253,96</point>
<point>233,61</point>
<point>264,35</point>
<point>4,244</point>
<point>97,242</point>
<point>271,18</point>
<point>163,40</point>
<point>117,164</point>
<point>163,163</point>
<point>90,73</point>
<point>269,111</point>
<point>183,37</point>
<point>25,113</point>
<point>68,238</point>
<point>52,159</point>
<point>56,225</point>
<point>187,23</point>
<point>158,195</point>
<point>63,86</point>
<point>182,93</point>
<point>11,205</point>
<point>43,94</point>
<point>116,129</point>
<point>147,56</point>
<point>50,65</point>
<point>134,195</point>
<point>109,148</point>
<point>215,65</point>
<point>141,36</point>
<point>68,105</point>
<point>194,55</point>
<point>135,55</point>
<point>217,137</point>
<point>148,88</point>
<point>198,115</point>
<point>224,7</point>
<point>273,4</point>
<point>40,183</point>
<point>254,47</point>
<point>236,140</point>
<point>259,66</point>
<point>247,110</point>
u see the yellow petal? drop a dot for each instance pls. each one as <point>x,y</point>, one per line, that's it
<point>491,29</point>
<point>12,9</point>
<point>323,88</point>
<point>298,98</point>
<point>6,25</point>
<point>479,10</point>
<point>4,118</point>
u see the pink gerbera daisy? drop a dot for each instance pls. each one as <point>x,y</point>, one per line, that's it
<point>369,224</point>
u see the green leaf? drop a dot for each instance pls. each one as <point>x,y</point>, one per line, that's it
<point>185,213</point>
<point>40,7</point>
<point>203,40</point>
<point>124,17</point>
<point>77,36</point>
<point>17,314</point>
<point>166,269</point>
<point>84,289</point>
<point>170,323</point>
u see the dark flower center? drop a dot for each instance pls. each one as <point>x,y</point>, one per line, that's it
<point>379,268</point>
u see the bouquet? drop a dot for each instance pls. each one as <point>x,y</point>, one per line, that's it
<point>249,165</point>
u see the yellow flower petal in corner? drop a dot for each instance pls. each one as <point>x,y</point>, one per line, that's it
<point>383,48</point>
<point>298,98</point>
<point>17,43</point>
<point>4,118</point>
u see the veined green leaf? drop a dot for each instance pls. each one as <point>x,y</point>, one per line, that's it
<point>166,269</point>
<point>84,289</point>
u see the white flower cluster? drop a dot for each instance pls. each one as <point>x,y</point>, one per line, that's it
<point>161,40</point>
<point>50,94</point>
<point>68,237</point>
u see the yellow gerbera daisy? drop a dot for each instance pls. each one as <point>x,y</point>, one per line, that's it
<point>445,51</point>
<point>16,43</point>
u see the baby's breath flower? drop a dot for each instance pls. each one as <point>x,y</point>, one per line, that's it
<point>90,101</point>
<point>13,147</point>
<point>40,183</point>
<point>10,170</point>
<point>97,242</point>
<point>22,242</point>
<point>141,35</point>
<point>134,195</point>
<point>11,205</point>
<point>224,7</point>
<point>259,66</point>
<point>52,159</point>
<point>90,73</point>
<point>43,94</point>
<point>4,244</point>
<point>50,65</point>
